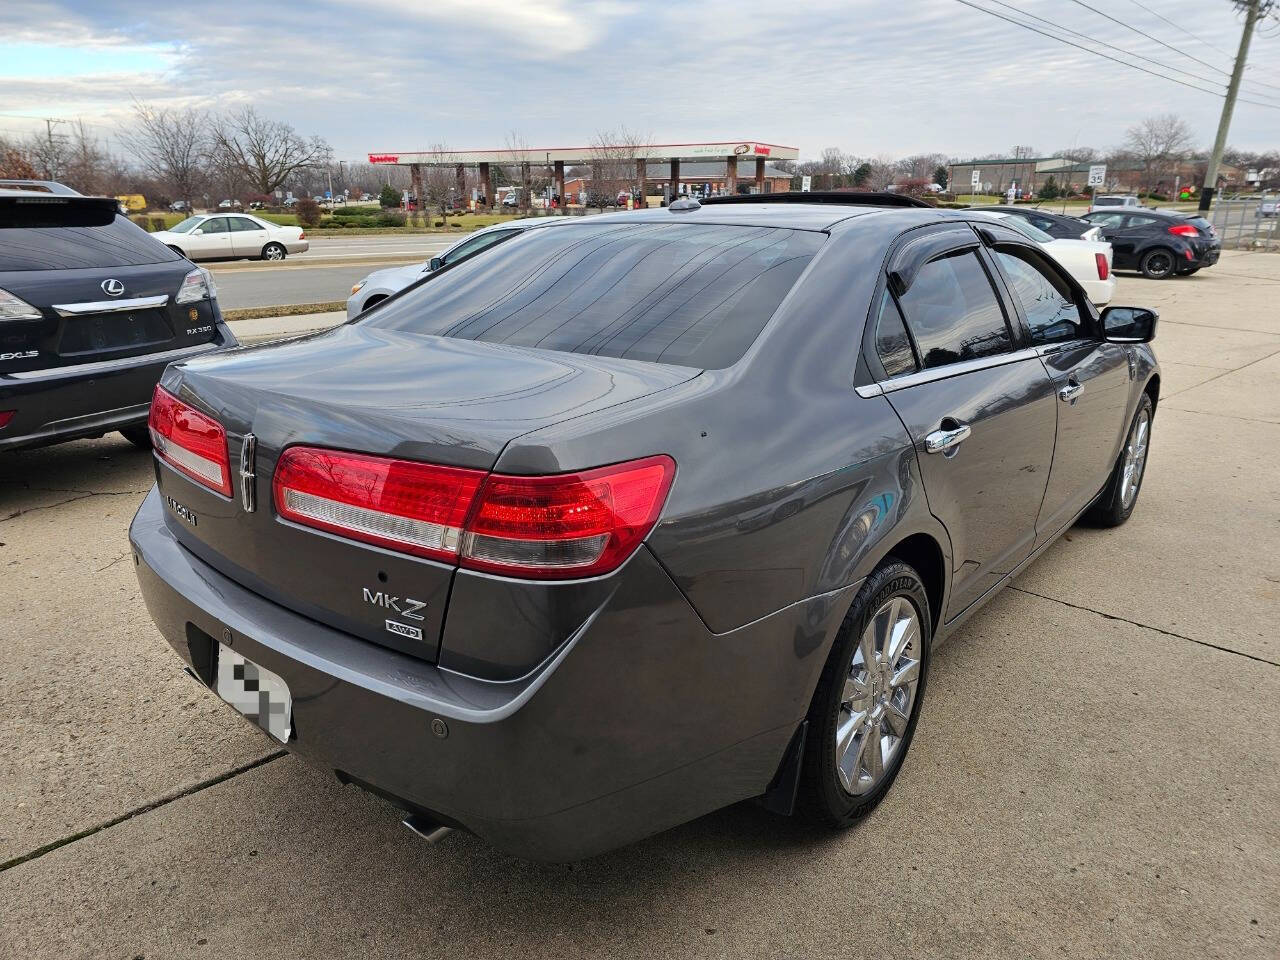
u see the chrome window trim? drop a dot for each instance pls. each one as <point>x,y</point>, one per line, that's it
<point>109,306</point>
<point>99,366</point>
<point>882,387</point>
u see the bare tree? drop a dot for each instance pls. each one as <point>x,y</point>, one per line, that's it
<point>1156,143</point>
<point>265,152</point>
<point>14,161</point>
<point>883,172</point>
<point>438,182</point>
<point>171,145</point>
<point>613,163</point>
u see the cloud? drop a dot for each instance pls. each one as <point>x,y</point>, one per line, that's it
<point>869,76</point>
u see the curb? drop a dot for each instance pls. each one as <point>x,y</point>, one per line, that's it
<point>288,310</point>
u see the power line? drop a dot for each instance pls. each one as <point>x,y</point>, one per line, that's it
<point>1141,33</point>
<point>1179,27</point>
<point>1105,56</point>
<point>1085,36</point>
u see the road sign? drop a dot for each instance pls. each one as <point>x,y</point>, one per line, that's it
<point>806,184</point>
<point>975,179</point>
<point>1097,174</point>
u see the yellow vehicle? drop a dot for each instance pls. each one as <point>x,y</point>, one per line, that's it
<point>133,202</point>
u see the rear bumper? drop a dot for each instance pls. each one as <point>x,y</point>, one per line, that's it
<point>298,246</point>
<point>87,400</point>
<point>641,720</point>
<point>1100,292</point>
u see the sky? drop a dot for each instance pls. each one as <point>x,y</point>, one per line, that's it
<point>868,76</point>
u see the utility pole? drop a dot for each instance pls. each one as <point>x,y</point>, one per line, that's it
<point>1224,124</point>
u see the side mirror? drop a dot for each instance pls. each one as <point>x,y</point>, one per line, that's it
<point>436,263</point>
<point>197,232</point>
<point>1129,324</point>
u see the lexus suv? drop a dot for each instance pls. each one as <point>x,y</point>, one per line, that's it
<point>92,309</point>
<point>625,521</point>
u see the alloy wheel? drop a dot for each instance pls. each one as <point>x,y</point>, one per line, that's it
<point>1135,458</point>
<point>878,696</point>
<point>1160,264</point>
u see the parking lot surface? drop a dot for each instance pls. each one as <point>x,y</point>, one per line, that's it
<point>1096,771</point>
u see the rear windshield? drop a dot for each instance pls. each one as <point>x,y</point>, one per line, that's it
<point>1109,202</point>
<point>36,239</point>
<point>690,294</point>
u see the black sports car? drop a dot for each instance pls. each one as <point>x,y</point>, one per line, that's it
<point>92,309</point>
<point>645,515</point>
<point>1158,243</point>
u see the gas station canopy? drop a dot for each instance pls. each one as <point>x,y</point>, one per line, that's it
<point>741,149</point>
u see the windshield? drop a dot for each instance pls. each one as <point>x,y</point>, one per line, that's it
<point>187,225</point>
<point>681,293</point>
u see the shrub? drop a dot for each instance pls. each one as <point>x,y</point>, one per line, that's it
<point>389,197</point>
<point>308,212</point>
<point>391,218</point>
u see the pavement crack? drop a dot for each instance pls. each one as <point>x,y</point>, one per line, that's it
<point>48,506</point>
<point>1147,626</point>
<point>1220,376</point>
<point>138,811</point>
<point>112,563</point>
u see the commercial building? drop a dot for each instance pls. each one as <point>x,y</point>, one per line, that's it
<point>743,161</point>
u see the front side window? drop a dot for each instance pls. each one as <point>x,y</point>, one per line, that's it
<point>693,294</point>
<point>954,313</point>
<point>1140,222</point>
<point>1046,299</point>
<point>1108,220</point>
<point>187,225</point>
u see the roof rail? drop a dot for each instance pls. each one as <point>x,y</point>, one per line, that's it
<point>39,186</point>
<point>849,198</point>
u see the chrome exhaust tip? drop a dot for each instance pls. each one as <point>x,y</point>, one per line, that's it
<point>427,829</point>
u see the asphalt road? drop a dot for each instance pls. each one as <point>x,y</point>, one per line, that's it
<point>324,273</point>
<point>1096,772</point>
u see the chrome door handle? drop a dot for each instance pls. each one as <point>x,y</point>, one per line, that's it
<point>1070,392</point>
<point>942,440</point>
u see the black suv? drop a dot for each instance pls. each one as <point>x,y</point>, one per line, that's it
<point>1158,243</point>
<point>92,309</point>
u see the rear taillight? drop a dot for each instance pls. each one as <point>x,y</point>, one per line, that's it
<point>1184,230</point>
<point>189,441</point>
<point>398,504</point>
<point>554,527</point>
<point>1104,268</point>
<point>5,417</point>
<point>302,235</point>
<point>568,525</point>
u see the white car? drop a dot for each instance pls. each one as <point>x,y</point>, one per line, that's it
<point>232,237</point>
<point>1114,201</point>
<point>381,284</point>
<point>1088,261</point>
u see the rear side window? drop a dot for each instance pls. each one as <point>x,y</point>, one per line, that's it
<point>1046,299</point>
<point>953,311</point>
<point>893,346</point>
<point>51,246</point>
<point>681,293</point>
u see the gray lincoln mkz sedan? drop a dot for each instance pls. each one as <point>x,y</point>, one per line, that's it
<point>625,521</point>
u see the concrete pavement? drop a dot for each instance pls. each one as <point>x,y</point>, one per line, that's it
<point>1095,774</point>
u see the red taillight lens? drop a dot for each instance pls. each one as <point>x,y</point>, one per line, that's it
<point>398,504</point>
<point>1184,230</point>
<point>5,417</point>
<point>189,441</point>
<point>557,527</point>
<point>569,525</point>
<point>302,235</point>
<point>1104,268</point>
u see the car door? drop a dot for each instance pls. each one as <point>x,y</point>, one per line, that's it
<point>211,240</point>
<point>1091,379</point>
<point>248,237</point>
<point>1119,230</point>
<point>976,401</point>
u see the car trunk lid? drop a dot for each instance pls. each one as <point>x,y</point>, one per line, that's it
<point>386,393</point>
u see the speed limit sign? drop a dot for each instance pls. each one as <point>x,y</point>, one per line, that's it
<point>1097,174</point>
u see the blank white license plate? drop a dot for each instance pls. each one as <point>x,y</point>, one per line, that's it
<point>255,691</point>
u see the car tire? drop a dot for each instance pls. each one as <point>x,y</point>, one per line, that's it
<point>139,436</point>
<point>274,251</point>
<point>841,778</point>
<point>1158,264</point>
<point>1118,498</point>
